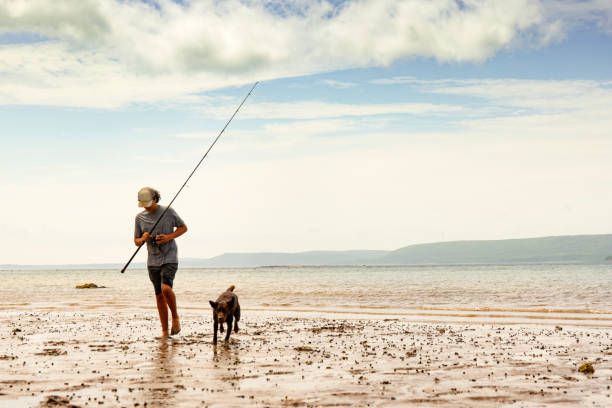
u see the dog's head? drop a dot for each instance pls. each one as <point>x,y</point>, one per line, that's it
<point>222,308</point>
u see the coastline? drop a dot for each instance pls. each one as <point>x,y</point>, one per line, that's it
<point>288,358</point>
<point>425,314</point>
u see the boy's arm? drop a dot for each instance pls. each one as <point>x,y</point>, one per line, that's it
<point>138,235</point>
<point>179,231</point>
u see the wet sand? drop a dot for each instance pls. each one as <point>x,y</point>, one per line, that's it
<point>111,358</point>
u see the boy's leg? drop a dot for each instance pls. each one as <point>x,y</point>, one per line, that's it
<point>162,307</point>
<point>168,273</point>
<point>170,299</point>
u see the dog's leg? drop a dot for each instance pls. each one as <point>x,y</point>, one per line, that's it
<point>215,327</point>
<point>237,316</point>
<point>229,327</point>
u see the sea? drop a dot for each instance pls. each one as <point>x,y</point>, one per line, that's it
<point>556,294</point>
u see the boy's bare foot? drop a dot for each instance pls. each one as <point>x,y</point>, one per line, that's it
<point>176,326</point>
<point>164,335</point>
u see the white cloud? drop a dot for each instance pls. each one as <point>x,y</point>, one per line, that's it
<point>193,135</point>
<point>506,109</point>
<point>296,138</point>
<point>108,53</point>
<point>574,14</point>
<point>311,127</point>
<point>338,84</point>
<point>589,96</point>
<point>303,127</point>
<point>319,110</point>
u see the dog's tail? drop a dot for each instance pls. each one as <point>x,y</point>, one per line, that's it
<point>231,288</point>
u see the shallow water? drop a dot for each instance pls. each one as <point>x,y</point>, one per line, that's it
<point>517,292</point>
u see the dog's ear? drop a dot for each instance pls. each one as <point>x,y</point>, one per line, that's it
<point>213,304</point>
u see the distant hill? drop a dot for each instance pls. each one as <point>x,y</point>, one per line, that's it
<point>573,248</point>
<point>355,257</point>
<point>569,248</point>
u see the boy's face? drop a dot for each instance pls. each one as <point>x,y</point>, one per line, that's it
<point>152,207</point>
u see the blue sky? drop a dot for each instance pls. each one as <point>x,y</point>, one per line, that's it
<point>376,124</point>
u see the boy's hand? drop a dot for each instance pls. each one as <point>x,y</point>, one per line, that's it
<point>140,241</point>
<point>163,238</point>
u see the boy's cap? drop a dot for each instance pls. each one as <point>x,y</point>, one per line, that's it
<point>145,197</point>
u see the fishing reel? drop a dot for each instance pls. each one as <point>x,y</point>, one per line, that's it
<point>153,241</point>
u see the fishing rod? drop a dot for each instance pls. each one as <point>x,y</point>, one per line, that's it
<point>191,174</point>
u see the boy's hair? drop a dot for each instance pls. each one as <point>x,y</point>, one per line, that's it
<point>156,195</point>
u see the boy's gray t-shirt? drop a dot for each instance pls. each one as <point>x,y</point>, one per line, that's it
<point>162,254</point>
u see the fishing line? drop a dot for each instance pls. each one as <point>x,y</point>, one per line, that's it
<point>191,174</point>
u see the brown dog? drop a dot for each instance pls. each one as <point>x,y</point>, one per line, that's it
<point>225,309</point>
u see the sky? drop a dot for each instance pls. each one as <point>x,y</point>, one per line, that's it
<point>376,123</point>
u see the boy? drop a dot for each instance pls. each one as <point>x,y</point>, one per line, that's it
<point>162,261</point>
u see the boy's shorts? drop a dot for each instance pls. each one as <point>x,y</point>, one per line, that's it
<point>162,274</point>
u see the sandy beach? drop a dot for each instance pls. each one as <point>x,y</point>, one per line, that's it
<point>111,358</point>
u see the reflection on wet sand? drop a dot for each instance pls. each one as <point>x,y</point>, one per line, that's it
<point>161,378</point>
<point>227,368</point>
